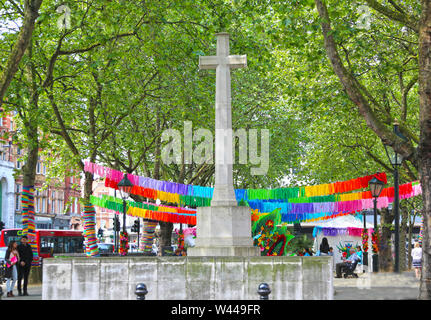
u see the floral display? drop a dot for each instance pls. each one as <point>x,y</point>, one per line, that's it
<point>270,236</point>
<point>365,240</point>
<point>344,249</point>
<point>124,243</point>
<point>375,241</point>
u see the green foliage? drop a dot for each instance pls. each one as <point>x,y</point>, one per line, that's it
<point>298,244</point>
<point>128,70</point>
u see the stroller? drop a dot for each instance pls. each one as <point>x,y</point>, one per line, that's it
<point>349,271</point>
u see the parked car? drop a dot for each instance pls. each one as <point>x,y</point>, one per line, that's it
<point>106,248</point>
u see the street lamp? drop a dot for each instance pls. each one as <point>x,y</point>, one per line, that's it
<point>125,186</point>
<point>396,160</point>
<point>376,188</point>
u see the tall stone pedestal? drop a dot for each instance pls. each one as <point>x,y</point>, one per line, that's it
<point>223,231</point>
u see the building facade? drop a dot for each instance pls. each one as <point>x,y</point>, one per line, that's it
<point>56,203</point>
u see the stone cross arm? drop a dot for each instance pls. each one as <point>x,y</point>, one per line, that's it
<point>233,61</point>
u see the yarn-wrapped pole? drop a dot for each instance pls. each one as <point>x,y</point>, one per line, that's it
<point>148,235</point>
<point>28,224</point>
<point>89,217</point>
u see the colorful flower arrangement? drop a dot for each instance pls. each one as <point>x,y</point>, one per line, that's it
<point>124,243</point>
<point>365,240</point>
<point>270,236</point>
<point>344,249</point>
<point>181,240</point>
<point>375,241</point>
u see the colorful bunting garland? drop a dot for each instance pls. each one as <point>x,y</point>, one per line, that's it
<point>149,187</point>
<point>300,204</point>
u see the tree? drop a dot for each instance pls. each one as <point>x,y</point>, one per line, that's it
<point>368,105</point>
<point>29,14</point>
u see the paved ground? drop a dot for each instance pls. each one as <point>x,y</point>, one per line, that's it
<point>369,286</point>
<point>34,291</point>
<point>379,286</point>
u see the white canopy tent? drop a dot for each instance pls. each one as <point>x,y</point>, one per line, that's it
<point>344,231</point>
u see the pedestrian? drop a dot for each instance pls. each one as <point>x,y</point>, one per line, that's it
<point>324,247</point>
<point>308,252</point>
<point>347,262</point>
<point>24,265</point>
<point>11,274</point>
<point>417,259</point>
<point>359,252</point>
<point>331,251</point>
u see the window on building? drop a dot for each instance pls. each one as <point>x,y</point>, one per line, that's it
<point>38,167</point>
<point>18,197</point>
<point>60,205</point>
<point>43,205</point>
<point>18,164</point>
<point>18,151</point>
<point>76,205</point>
<point>44,169</point>
<point>11,125</point>
<point>1,121</point>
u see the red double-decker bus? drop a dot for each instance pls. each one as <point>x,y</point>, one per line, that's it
<point>49,242</point>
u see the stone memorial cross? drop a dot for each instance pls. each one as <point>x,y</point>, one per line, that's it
<point>224,228</point>
<point>224,194</point>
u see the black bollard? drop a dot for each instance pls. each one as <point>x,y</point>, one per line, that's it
<point>141,291</point>
<point>264,291</point>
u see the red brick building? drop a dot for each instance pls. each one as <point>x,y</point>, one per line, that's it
<point>56,204</point>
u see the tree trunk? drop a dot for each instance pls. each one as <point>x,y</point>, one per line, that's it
<point>403,229</point>
<point>385,244</point>
<point>165,234</point>
<point>165,227</point>
<point>31,12</point>
<point>424,148</point>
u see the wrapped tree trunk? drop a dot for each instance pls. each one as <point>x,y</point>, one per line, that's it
<point>89,217</point>
<point>147,237</point>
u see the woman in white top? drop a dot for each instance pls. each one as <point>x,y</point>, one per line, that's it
<point>417,259</point>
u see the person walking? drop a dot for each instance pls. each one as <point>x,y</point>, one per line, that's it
<point>11,274</point>
<point>324,247</point>
<point>24,265</point>
<point>417,259</point>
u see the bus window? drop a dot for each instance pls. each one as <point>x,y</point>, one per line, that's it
<point>11,235</point>
<point>67,247</point>
<point>55,244</point>
<point>76,244</point>
<point>46,245</point>
<point>60,245</point>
